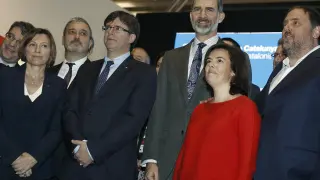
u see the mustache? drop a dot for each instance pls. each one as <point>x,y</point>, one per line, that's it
<point>203,20</point>
<point>287,33</point>
<point>76,41</point>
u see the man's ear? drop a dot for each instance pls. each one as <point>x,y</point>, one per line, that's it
<point>132,38</point>
<point>221,17</point>
<point>316,32</point>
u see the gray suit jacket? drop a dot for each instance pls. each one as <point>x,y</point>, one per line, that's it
<point>171,112</point>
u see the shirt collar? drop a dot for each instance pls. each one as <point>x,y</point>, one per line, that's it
<point>7,64</point>
<point>118,60</point>
<point>286,61</point>
<point>209,42</point>
<point>79,62</point>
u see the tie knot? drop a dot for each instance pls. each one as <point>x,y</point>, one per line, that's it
<point>70,64</point>
<point>201,45</point>
<point>109,63</point>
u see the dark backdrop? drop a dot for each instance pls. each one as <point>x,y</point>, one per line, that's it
<point>158,30</point>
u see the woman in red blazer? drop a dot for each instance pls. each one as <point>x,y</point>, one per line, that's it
<point>222,137</point>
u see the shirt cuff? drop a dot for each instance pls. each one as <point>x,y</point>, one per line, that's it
<point>145,162</point>
<point>77,149</point>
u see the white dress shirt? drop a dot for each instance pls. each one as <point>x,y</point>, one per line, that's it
<point>7,64</point>
<point>35,95</point>
<point>286,69</point>
<point>65,68</point>
<point>194,46</point>
<point>117,62</point>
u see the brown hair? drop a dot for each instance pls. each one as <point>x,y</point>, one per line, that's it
<point>239,83</point>
<point>127,19</point>
<point>29,36</point>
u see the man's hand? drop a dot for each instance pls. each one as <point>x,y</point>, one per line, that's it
<point>27,174</point>
<point>82,155</point>
<point>152,172</point>
<point>23,164</point>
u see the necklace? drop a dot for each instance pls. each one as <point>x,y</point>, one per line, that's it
<point>33,79</point>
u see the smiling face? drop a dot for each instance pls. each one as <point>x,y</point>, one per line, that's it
<point>218,68</point>
<point>38,50</point>
<point>10,46</point>
<point>205,16</point>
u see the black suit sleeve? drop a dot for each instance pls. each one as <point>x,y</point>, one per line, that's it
<point>9,146</point>
<point>52,138</point>
<point>71,129</point>
<point>129,124</point>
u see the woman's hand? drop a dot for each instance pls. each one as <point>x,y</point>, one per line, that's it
<point>23,164</point>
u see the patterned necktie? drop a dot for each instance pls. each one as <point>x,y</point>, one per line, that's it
<point>194,70</point>
<point>103,76</point>
<point>68,76</point>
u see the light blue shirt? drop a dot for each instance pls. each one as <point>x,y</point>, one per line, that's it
<point>117,62</point>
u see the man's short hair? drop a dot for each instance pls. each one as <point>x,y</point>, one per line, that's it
<point>220,5</point>
<point>25,27</point>
<point>127,19</point>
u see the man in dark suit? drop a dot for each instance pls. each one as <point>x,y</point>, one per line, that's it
<point>181,87</point>
<point>289,104</point>
<point>10,46</point>
<point>78,43</point>
<point>109,105</point>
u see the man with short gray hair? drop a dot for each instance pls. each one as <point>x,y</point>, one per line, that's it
<point>78,43</point>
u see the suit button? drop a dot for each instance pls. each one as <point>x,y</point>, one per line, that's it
<point>182,132</point>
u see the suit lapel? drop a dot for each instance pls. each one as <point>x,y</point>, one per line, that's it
<point>116,77</point>
<point>92,75</point>
<point>302,70</point>
<point>273,74</point>
<point>181,66</point>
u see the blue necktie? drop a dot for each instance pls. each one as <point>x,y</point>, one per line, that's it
<point>103,76</point>
<point>194,70</point>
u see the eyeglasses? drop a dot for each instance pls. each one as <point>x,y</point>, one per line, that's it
<point>11,37</point>
<point>116,29</point>
<point>274,55</point>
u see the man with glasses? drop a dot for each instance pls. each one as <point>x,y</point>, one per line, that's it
<point>78,43</point>
<point>9,48</point>
<point>108,107</point>
<point>279,55</point>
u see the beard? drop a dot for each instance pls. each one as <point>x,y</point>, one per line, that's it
<point>293,46</point>
<point>75,46</point>
<point>203,26</point>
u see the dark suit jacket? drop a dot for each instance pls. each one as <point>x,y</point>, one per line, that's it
<point>25,126</point>
<point>61,151</point>
<point>110,121</point>
<point>255,90</point>
<point>57,68</point>
<point>171,112</point>
<point>290,132</point>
